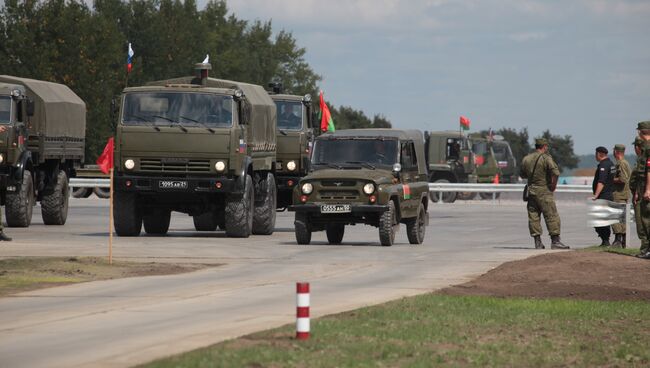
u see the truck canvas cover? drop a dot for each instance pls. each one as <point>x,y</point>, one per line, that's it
<point>58,111</point>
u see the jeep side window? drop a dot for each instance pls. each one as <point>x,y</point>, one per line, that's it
<point>407,161</point>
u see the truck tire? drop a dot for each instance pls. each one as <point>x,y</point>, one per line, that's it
<point>416,227</point>
<point>264,212</point>
<point>157,223</point>
<point>386,226</point>
<point>126,215</point>
<point>54,206</point>
<point>302,229</point>
<point>335,233</point>
<point>205,221</point>
<point>447,197</point>
<point>487,196</point>
<point>239,211</point>
<point>103,193</point>
<point>81,192</point>
<point>20,204</point>
<point>465,196</point>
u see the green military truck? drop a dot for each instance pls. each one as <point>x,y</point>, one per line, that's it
<point>505,160</point>
<point>450,159</point>
<point>295,136</point>
<point>376,177</point>
<point>40,148</point>
<point>197,145</point>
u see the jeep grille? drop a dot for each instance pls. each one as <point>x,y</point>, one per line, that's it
<point>338,183</point>
<point>339,194</point>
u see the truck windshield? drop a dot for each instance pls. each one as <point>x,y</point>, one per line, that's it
<point>5,109</point>
<point>188,109</point>
<point>355,151</point>
<point>500,152</point>
<point>289,115</point>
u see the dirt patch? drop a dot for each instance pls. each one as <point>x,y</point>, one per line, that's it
<point>577,274</point>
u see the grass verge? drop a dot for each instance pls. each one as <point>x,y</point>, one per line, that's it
<point>623,251</point>
<point>436,330</point>
<point>24,274</point>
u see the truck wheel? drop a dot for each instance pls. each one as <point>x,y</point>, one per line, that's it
<point>264,213</point>
<point>81,192</point>
<point>416,227</point>
<point>20,204</point>
<point>303,232</point>
<point>157,222</point>
<point>126,215</point>
<point>335,233</point>
<point>465,196</point>
<point>103,193</point>
<point>489,195</point>
<point>447,197</point>
<point>387,226</point>
<point>239,209</point>
<point>54,206</point>
<point>205,221</point>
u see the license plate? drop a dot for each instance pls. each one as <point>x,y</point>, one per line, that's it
<point>172,184</point>
<point>335,208</point>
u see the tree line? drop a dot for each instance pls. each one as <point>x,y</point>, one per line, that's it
<point>85,48</point>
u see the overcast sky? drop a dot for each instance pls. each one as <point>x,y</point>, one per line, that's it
<point>574,67</point>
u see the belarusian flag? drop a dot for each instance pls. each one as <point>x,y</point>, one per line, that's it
<point>464,123</point>
<point>326,121</point>
<point>407,191</point>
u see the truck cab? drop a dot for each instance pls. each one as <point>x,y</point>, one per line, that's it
<point>450,160</point>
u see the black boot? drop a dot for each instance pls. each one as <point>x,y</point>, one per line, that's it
<point>556,243</point>
<point>618,241</point>
<point>604,242</point>
<point>646,255</point>
<point>538,242</point>
<point>4,237</point>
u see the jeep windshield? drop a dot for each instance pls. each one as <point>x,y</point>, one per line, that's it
<point>355,152</point>
<point>180,108</point>
<point>5,109</point>
<point>289,115</point>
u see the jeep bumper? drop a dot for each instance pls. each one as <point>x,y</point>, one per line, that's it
<point>354,209</point>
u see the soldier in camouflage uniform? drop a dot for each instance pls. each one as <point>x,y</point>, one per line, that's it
<point>636,187</point>
<point>621,191</point>
<point>643,189</point>
<point>542,174</point>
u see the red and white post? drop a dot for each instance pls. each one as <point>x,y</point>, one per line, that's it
<point>302,310</point>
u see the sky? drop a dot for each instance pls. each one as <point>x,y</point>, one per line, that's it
<point>574,67</point>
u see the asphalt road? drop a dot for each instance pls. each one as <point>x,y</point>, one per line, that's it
<point>120,323</point>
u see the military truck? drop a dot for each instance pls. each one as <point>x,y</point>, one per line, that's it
<point>294,141</point>
<point>376,177</point>
<point>450,160</point>
<point>197,145</point>
<point>40,148</point>
<point>505,160</point>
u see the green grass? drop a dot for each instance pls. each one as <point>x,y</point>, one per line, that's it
<point>626,251</point>
<point>434,330</point>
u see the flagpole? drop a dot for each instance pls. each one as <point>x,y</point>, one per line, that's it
<point>110,222</point>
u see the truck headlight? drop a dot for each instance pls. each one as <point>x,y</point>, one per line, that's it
<point>129,164</point>
<point>2,158</point>
<point>307,188</point>
<point>220,166</point>
<point>369,188</point>
<point>291,165</point>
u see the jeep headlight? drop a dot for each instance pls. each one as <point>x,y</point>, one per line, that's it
<point>369,188</point>
<point>129,164</point>
<point>291,165</point>
<point>220,166</point>
<point>2,158</point>
<point>307,188</point>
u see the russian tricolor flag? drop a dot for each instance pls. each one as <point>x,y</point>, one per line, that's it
<point>129,65</point>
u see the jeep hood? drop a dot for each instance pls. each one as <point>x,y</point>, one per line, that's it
<point>379,176</point>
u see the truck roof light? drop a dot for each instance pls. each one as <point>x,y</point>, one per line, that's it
<point>239,93</point>
<point>15,93</point>
<point>307,98</point>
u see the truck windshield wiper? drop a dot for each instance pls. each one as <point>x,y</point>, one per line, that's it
<point>282,132</point>
<point>184,129</point>
<point>148,123</point>
<point>362,164</point>
<point>198,122</point>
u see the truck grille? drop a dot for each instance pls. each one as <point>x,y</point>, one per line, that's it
<point>339,194</point>
<point>176,166</point>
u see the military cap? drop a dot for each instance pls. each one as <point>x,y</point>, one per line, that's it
<point>601,149</point>
<point>644,125</point>
<point>541,141</point>
<point>619,147</point>
<point>638,142</point>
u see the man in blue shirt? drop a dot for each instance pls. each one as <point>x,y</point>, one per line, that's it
<point>603,188</point>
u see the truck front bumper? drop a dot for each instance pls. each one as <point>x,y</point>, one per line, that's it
<point>146,184</point>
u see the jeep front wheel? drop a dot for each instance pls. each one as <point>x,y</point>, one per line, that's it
<point>387,226</point>
<point>239,210</point>
<point>302,229</point>
<point>335,233</point>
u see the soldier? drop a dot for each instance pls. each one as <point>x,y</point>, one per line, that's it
<point>636,186</point>
<point>542,174</point>
<point>643,163</point>
<point>3,236</point>
<point>602,188</point>
<point>621,191</point>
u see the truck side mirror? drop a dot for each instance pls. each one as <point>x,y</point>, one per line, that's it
<point>244,113</point>
<point>30,107</point>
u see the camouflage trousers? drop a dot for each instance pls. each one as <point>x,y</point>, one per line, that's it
<point>642,217</point>
<point>619,228</point>
<point>543,205</point>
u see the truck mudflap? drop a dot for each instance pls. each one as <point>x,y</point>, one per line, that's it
<point>354,208</point>
<point>176,185</point>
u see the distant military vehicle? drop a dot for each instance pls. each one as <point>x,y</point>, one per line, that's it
<point>450,160</point>
<point>196,145</point>
<point>376,177</point>
<point>294,141</point>
<point>505,160</point>
<point>40,149</point>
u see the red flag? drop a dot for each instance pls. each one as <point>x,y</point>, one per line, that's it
<point>326,121</point>
<point>464,123</point>
<point>105,160</point>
